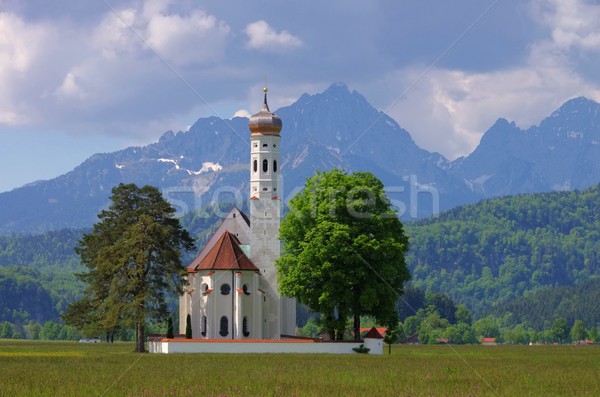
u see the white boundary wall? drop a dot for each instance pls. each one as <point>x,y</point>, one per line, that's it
<point>185,346</point>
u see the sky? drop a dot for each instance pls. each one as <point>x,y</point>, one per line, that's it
<point>82,77</point>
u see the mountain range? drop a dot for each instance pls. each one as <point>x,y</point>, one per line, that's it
<point>335,128</point>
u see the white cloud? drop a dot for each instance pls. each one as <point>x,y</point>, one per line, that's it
<point>448,110</point>
<point>242,113</point>
<point>261,36</point>
<point>22,49</point>
<point>114,36</point>
<point>19,42</point>
<point>70,87</point>
<point>573,23</point>
<point>180,39</point>
<point>191,39</point>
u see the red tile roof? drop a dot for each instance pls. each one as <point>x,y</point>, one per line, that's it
<point>229,224</point>
<point>373,334</point>
<point>381,330</point>
<point>226,254</point>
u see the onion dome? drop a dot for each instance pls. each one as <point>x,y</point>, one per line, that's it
<point>265,122</point>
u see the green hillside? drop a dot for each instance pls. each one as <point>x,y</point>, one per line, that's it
<point>572,302</point>
<point>497,250</point>
<point>38,271</point>
<point>483,255</point>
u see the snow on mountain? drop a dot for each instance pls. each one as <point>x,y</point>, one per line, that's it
<point>334,128</point>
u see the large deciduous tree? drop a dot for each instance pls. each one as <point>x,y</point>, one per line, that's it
<point>560,330</point>
<point>344,250</point>
<point>133,256</point>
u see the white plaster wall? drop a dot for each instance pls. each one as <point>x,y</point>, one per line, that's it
<point>252,347</point>
<point>224,303</point>
<point>376,345</point>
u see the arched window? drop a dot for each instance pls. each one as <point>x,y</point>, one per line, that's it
<point>255,167</point>
<point>245,327</point>
<point>225,289</point>
<point>224,328</point>
<point>204,288</point>
<point>274,165</point>
<point>265,165</point>
<point>245,289</point>
<point>204,323</point>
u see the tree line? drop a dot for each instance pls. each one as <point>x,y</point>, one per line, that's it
<point>501,249</point>
<point>433,317</point>
<point>512,254</point>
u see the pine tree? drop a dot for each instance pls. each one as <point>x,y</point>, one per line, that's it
<point>170,328</point>
<point>133,256</point>
<point>188,327</point>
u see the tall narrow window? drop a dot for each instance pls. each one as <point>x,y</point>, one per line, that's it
<point>265,165</point>
<point>255,165</point>
<point>245,327</point>
<point>274,165</point>
<point>203,326</point>
<point>224,328</point>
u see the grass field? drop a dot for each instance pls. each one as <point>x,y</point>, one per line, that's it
<point>35,368</point>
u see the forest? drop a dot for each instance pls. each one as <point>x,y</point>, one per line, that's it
<point>498,250</point>
<point>524,261</point>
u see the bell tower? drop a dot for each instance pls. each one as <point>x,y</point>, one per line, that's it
<point>265,217</point>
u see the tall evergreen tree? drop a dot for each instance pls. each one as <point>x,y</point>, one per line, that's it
<point>170,334</point>
<point>133,256</point>
<point>188,327</point>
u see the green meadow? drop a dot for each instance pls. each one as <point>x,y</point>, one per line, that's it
<point>38,368</point>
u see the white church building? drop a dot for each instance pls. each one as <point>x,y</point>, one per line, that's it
<point>232,295</point>
<point>232,288</point>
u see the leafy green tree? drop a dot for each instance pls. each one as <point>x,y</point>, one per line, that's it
<point>463,315</point>
<point>401,333</point>
<point>560,330</point>
<point>468,335</point>
<point>443,304</point>
<point>453,334</point>
<point>391,336</point>
<point>311,328</point>
<point>411,325</point>
<point>51,331</point>
<point>517,335</point>
<point>343,250</point>
<point>6,330</point>
<point>578,332</point>
<point>410,302</point>
<point>133,257</point>
<point>593,334</point>
<point>432,327</point>
<point>486,327</point>
<point>33,330</point>
<point>460,333</point>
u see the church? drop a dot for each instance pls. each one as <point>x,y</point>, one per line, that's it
<point>232,288</point>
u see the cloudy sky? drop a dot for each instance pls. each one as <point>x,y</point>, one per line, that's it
<point>80,77</point>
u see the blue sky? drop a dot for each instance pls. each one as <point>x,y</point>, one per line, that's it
<point>84,77</point>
